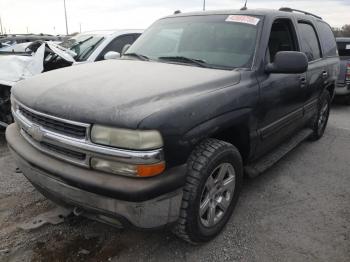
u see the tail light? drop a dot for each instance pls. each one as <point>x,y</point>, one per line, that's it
<point>347,77</point>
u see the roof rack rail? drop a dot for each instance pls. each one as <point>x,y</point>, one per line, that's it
<point>288,9</point>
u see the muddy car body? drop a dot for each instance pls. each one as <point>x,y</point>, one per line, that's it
<point>164,135</point>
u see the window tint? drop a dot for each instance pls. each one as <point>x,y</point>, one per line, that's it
<point>327,39</point>
<point>117,44</point>
<point>309,42</point>
<point>281,38</point>
<point>344,48</point>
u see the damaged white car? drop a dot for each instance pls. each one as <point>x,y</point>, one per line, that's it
<point>39,57</point>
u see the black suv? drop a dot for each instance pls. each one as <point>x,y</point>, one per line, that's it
<point>164,135</point>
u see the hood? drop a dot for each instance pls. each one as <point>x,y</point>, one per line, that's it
<point>118,92</point>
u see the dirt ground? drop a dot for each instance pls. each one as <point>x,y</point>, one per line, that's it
<point>297,211</point>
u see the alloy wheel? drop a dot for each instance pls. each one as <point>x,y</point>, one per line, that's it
<point>217,194</point>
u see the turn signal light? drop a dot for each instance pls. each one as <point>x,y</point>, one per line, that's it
<point>150,170</point>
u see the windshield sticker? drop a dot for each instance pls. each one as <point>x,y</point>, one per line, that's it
<point>347,47</point>
<point>243,19</point>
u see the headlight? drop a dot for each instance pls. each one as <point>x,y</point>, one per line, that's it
<point>124,138</point>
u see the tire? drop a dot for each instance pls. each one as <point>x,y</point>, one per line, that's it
<point>320,121</point>
<point>204,183</point>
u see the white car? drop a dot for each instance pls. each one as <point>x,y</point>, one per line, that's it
<point>93,46</point>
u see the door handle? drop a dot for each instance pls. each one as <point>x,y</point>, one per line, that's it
<point>324,74</point>
<point>303,81</point>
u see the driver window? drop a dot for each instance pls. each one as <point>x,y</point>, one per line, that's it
<point>117,44</point>
<point>282,38</point>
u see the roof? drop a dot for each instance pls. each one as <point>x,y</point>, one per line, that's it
<point>255,12</point>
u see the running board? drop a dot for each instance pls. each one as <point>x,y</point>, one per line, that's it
<point>256,168</point>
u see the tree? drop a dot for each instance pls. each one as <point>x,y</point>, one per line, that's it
<point>344,31</point>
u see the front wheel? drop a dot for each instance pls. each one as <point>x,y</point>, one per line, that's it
<point>320,121</point>
<point>213,184</point>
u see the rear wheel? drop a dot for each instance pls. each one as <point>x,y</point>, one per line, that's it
<point>320,121</point>
<point>213,184</point>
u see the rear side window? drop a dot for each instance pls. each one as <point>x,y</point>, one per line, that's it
<point>309,41</point>
<point>344,48</point>
<point>327,39</point>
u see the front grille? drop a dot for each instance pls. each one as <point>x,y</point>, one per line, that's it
<point>63,151</point>
<point>54,125</point>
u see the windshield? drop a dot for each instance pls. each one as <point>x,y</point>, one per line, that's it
<point>82,45</point>
<point>344,48</point>
<point>223,41</point>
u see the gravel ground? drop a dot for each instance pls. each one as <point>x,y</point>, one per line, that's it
<point>297,211</point>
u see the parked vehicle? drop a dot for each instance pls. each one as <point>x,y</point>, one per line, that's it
<point>82,48</point>
<point>9,40</point>
<point>343,84</point>
<point>163,135</point>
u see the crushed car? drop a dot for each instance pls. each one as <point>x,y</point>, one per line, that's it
<point>43,56</point>
<point>13,39</point>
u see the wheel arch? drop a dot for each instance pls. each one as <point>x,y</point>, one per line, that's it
<point>331,89</point>
<point>232,127</point>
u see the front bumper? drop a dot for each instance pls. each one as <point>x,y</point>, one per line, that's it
<point>143,203</point>
<point>342,89</point>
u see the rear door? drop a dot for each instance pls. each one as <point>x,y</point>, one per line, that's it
<point>329,49</point>
<point>317,74</point>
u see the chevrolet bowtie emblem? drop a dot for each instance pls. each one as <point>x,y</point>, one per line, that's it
<point>36,133</point>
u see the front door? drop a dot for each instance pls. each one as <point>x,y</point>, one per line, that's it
<point>282,95</point>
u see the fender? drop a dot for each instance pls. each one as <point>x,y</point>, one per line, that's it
<point>239,117</point>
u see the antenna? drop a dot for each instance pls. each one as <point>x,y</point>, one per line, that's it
<point>245,6</point>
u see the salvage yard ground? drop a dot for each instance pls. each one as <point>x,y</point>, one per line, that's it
<point>297,211</point>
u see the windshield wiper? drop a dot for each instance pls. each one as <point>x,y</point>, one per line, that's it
<point>185,59</point>
<point>81,42</point>
<point>139,56</point>
<point>87,50</point>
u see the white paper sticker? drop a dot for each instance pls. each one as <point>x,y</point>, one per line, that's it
<point>245,19</point>
<point>347,47</point>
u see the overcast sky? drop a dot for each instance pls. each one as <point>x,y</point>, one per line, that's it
<point>47,16</point>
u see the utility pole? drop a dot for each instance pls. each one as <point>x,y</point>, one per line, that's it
<point>65,15</point>
<point>2,32</point>
<point>203,5</point>
<point>80,27</point>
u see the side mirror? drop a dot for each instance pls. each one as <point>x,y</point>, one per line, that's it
<point>111,55</point>
<point>125,48</point>
<point>288,62</point>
